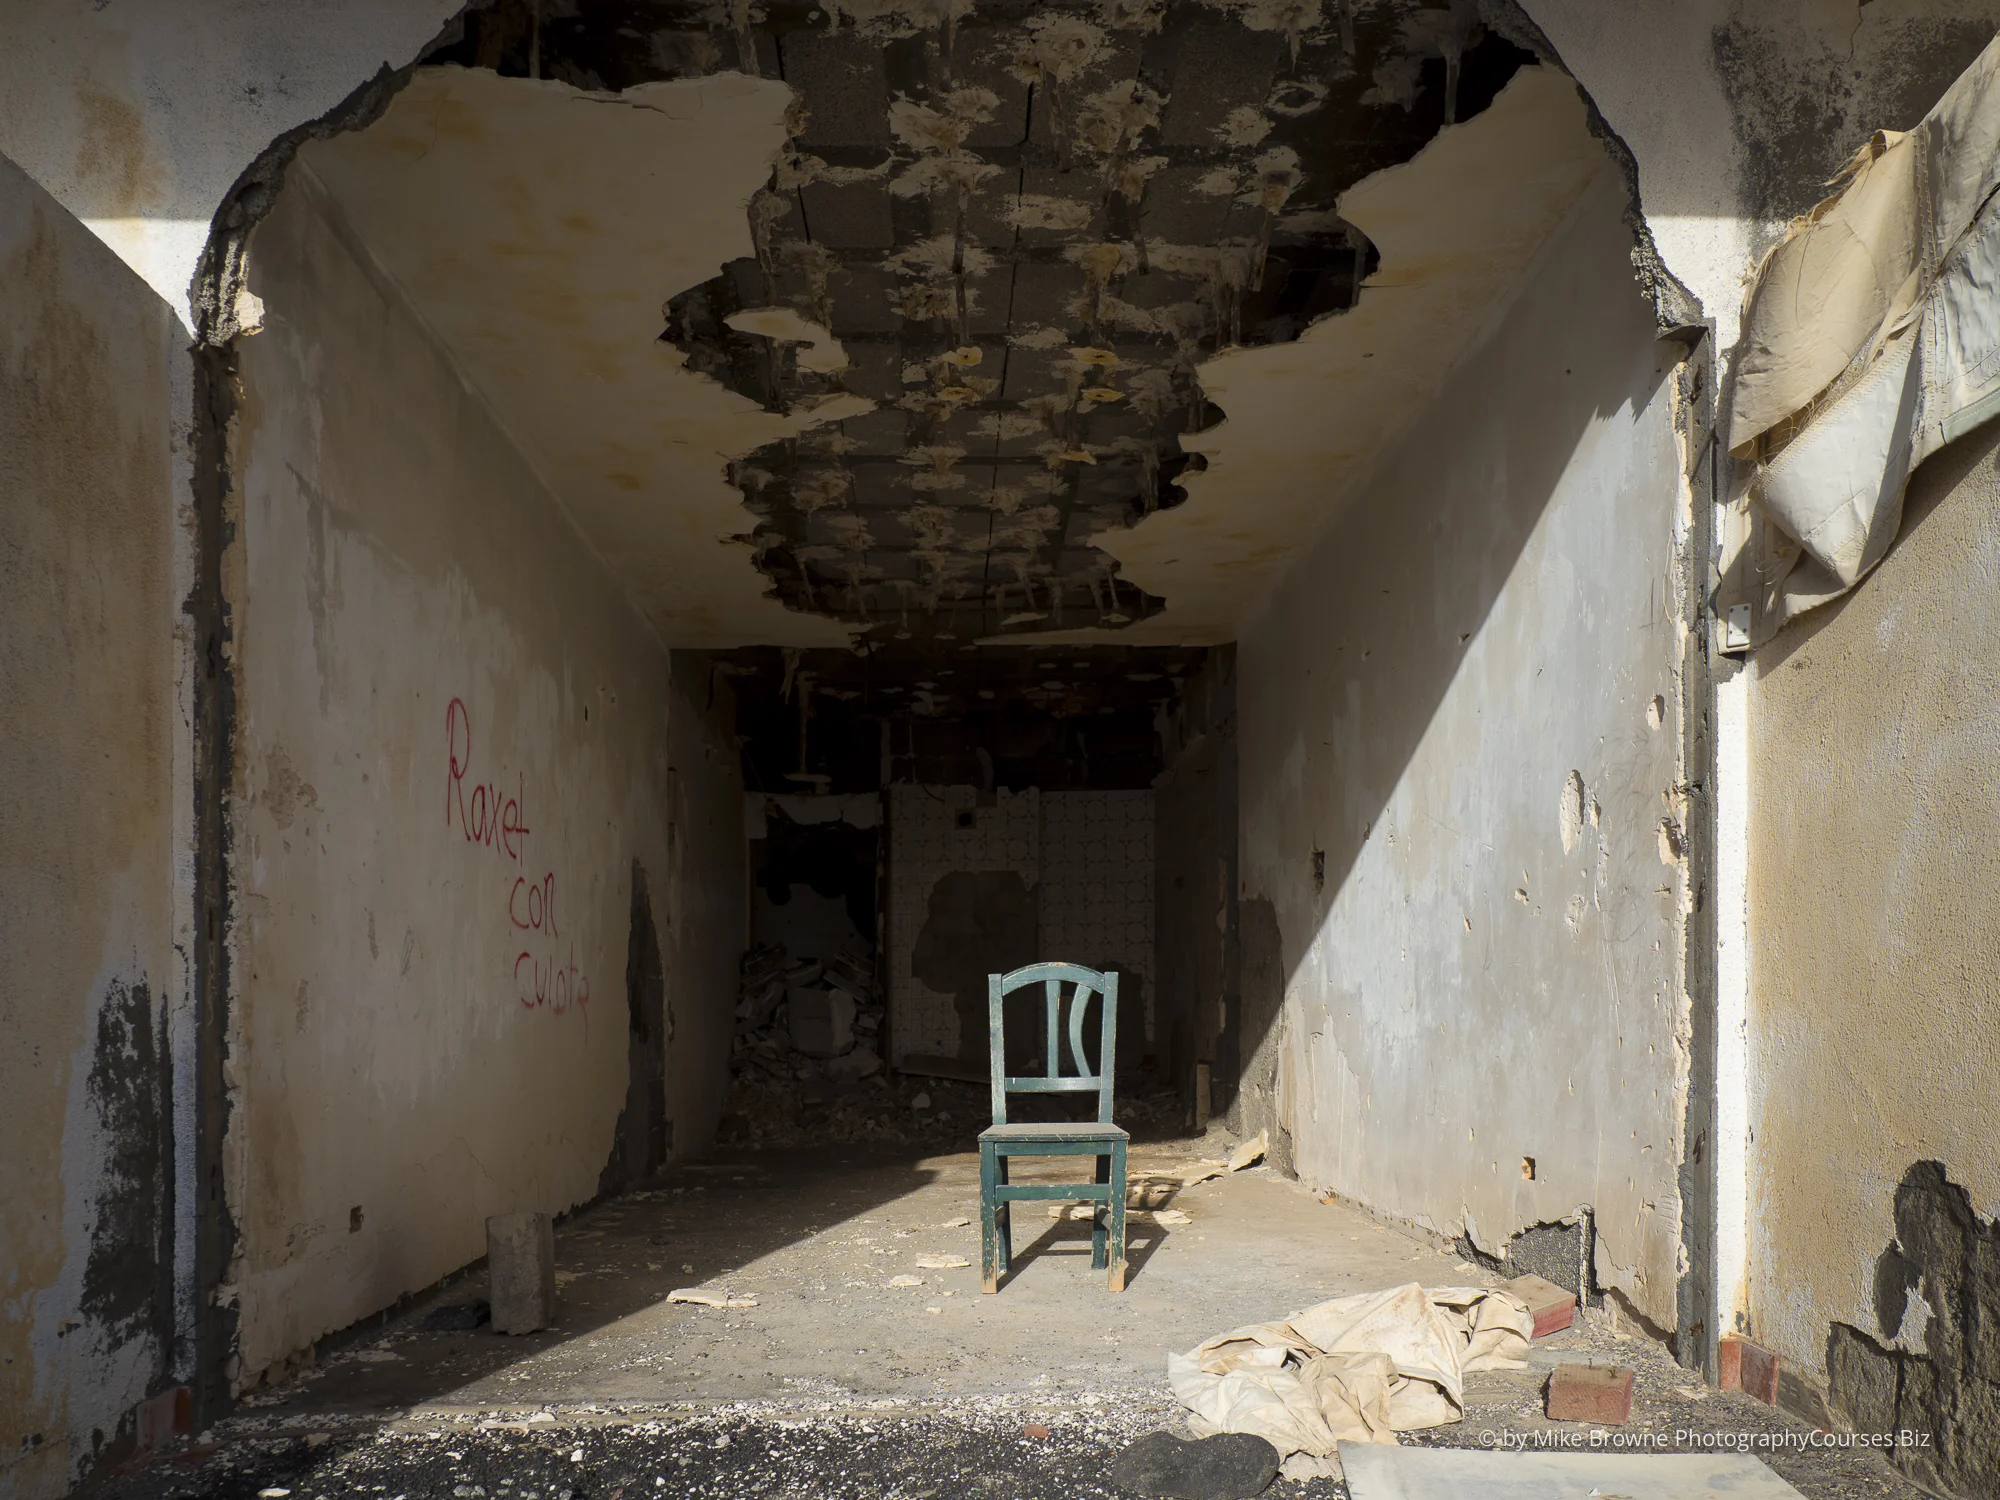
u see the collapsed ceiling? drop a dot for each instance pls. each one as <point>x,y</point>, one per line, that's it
<point>1019,232</point>
<point>907,320</point>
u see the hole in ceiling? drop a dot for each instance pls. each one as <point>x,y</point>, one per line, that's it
<point>1004,244</point>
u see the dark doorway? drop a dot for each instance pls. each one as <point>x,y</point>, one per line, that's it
<point>639,1148</point>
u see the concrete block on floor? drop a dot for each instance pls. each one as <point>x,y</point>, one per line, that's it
<point>1590,1393</point>
<point>1747,1367</point>
<point>521,1272</point>
<point>1551,1306</point>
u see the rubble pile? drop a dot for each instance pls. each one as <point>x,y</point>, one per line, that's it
<point>804,1020</point>
<point>808,1068</point>
<point>936,1114</point>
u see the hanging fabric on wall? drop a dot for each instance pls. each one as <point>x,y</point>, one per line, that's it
<point>1871,338</point>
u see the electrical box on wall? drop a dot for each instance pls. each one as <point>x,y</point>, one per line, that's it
<point>1736,628</point>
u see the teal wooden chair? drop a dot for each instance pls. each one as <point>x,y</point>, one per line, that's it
<point>1097,1138</point>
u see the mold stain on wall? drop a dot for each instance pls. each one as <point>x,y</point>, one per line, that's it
<point>87,665</point>
<point>1931,1365</point>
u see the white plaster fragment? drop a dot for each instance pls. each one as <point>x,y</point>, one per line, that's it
<point>817,349</point>
<point>1569,814</point>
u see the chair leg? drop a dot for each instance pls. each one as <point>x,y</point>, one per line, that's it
<point>989,1211</point>
<point>1005,1221</point>
<point>1097,1220</point>
<point>1117,1216</point>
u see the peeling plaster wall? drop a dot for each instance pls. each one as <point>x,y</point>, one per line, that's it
<point>927,845</point>
<point>1075,884</point>
<point>88,660</point>
<point>1447,724</point>
<point>1875,915</point>
<point>454,739</point>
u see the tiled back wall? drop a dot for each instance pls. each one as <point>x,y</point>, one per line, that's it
<point>1089,856</point>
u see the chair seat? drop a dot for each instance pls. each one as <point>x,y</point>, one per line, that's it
<point>1055,1130</point>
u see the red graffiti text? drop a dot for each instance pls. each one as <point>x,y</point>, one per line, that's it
<point>486,814</point>
<point>532,908</point>
<point>545,984</point>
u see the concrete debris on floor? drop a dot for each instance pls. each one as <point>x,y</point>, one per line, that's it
<point>957,1450</point>
<point>869,1369</point>
<point>708,1299</point>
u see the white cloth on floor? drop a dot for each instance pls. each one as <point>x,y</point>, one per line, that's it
<point>1356,1369</point>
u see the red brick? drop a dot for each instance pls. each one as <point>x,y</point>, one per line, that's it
<point>1590,1393</point>
<point>161,1418</point>
<point>1552,1307</point>
<point>1747,1367</point>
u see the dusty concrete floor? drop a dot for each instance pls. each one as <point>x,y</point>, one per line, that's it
<point>838,1382</point>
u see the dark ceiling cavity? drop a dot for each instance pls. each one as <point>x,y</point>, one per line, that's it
<point>1001,717</point>
<point>1025,225</point>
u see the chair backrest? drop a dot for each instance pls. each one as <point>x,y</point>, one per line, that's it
<point>1052,977</point>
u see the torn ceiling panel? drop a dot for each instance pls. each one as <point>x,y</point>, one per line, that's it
<point>540,230</point>
<point>1456,227</point>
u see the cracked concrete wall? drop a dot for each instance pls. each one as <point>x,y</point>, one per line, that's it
<point>454,737</point>
<point>1457,747</point>
<point>88,665</point>
<point>1875,928</point>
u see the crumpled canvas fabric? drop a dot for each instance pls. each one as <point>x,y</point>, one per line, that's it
<point>1871,338</point>
<point>1357,1369</point>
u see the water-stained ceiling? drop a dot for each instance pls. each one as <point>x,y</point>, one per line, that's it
<point>874,318</point>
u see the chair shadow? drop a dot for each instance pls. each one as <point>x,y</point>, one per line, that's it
<point>1069,1239</point>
